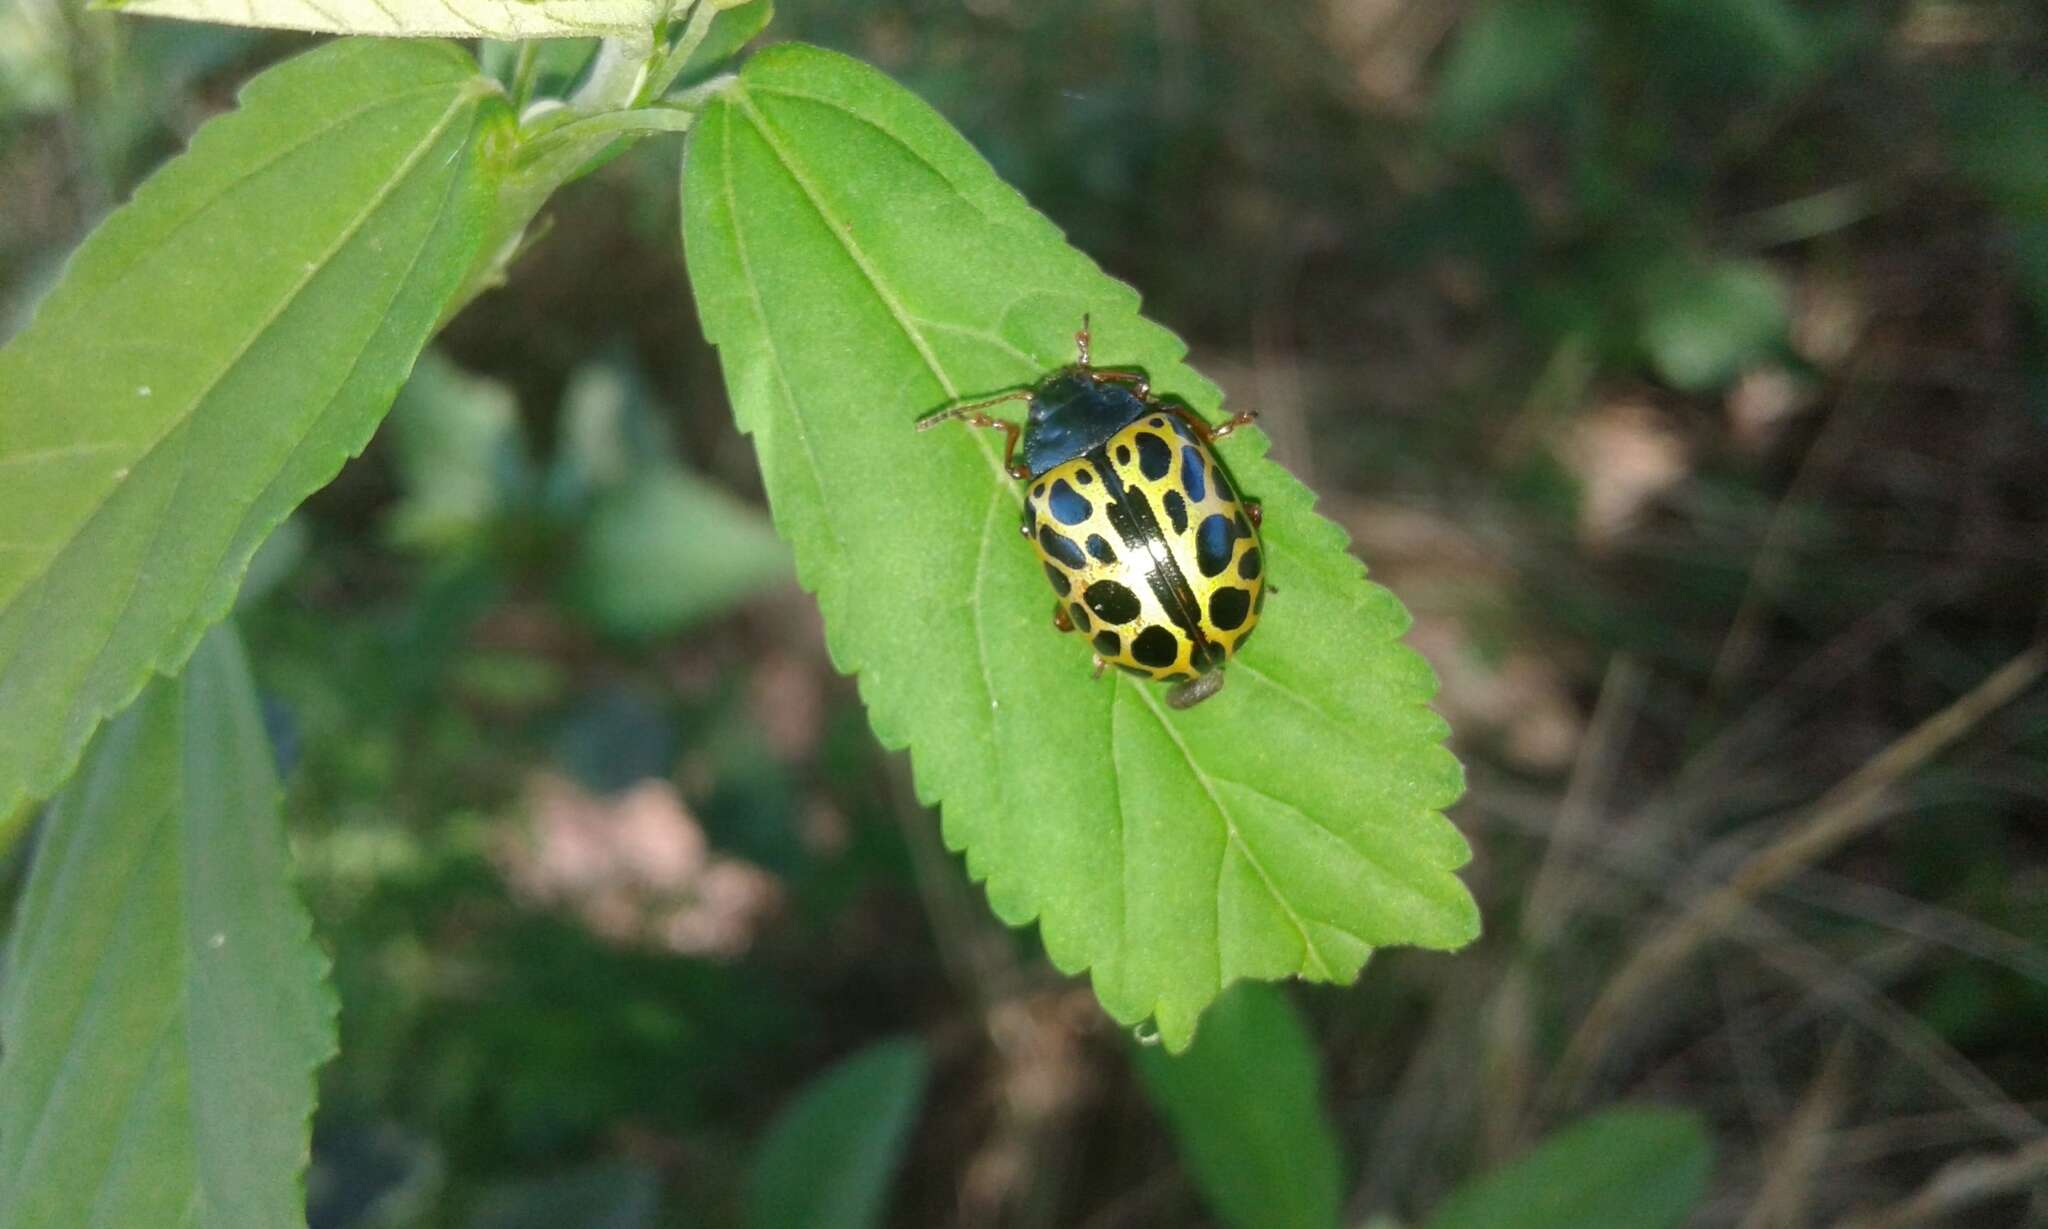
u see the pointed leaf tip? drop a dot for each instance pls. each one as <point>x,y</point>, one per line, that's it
<point>858,264</point>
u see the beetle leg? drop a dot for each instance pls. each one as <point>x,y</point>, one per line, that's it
<point>1100,665</point>
<point>1208,434</point>
<point>1011,466</point>
<point>1224,428</point>
<point>1060,618</point>
<point>1254,512</point>
<point>972,415</point>
<point>1081,339</point>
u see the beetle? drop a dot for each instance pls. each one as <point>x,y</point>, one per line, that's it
<point>1150,552</point>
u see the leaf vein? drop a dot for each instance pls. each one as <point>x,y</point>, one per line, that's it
<point>789,397</point>
<point>869,122</point>
<point>269,320</point>
<point>1235,838</point>
<point>324,129</point>
<point>66,1066</point>
<point>398,285</point>
<point>844,234</point>
<point>1290,693</point>
<point>57,452</point>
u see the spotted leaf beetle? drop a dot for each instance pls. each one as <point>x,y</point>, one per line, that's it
<point>1150,552</point>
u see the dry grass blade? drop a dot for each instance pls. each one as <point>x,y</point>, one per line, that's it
<point>1785,1196</point>
<point>1551,896</point>
<point>1843,813</point>
<point>1960,1184</point>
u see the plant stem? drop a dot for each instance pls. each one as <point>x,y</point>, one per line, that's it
<point>673,61</point>
<point>615,78</point>
<point>658,118</point>
<point>523,71</point>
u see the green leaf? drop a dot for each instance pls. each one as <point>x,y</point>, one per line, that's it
<point>857,263</point>
<point>665,550</point>
<point>1245,1102</point>
<point>830,1156</point>
<point>738,23</point>
<point>1622,1169</point>
<point>515,19</point>
<point>213,353</point>
<point>163,1010</point>
<point>1998,135</point>
<point>609,1195</point>
<point>1508,58</point>
<point>459,454</point>
<point>1702,325</point>
<point>1728,48</point>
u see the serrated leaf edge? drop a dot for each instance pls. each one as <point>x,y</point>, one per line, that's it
<point>84,721</point>
<point>1062,952</point>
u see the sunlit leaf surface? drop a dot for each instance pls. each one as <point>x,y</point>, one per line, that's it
<point>163,1010</point>
<point>212,355</point>
<point>462,19</point>
<point>1635,1168</point>
<point>1245,1102</point>
<point>858,264</point>
<point>830,1156</point>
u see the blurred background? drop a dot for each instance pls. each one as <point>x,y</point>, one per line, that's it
<point>1682,364</point>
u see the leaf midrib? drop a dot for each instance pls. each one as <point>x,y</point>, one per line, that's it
<point>112,280</point>
<point>66,1067</point>
<point>906,323</point>
<point>464,26</point>
<point>270,318</point>
<point>1234,837</point>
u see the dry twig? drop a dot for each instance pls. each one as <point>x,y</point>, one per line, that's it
<point>1960,1184</point>
<point>1845,812</point>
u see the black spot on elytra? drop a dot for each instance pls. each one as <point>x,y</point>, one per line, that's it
<point>1244,527</point>
<point>1155,647</point>
<point>1112,600</point>
<point>1060,584</point>
<point>1157,422</point>
<point>1098,546</point>
<point>1248,567</point>
<point>1084,476</point>
<point>1080,614</point>
<point>1154,457</point>
<point>1038,492</point>
<point>1228,607</point>
<point>1194,475</point>
<point>1060,548</point>
<point>1176,511</point>
<point>1068,505</point>
<point>1212,544</point>
<point>1108,643</point>
<point>1223,490</point>
<point>1123,454</point>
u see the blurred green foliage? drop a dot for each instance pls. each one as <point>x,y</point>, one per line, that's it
<point>1623,1169</point>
